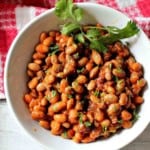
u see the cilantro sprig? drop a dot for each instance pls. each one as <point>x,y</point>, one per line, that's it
<point>72,14</point>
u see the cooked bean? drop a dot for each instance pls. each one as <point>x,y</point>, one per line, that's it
<point>138,100</point>
<point>55,126</point>
<point>136,66</point>
<point>58,106</point>
<point>70,41</point>
<point>91,85</point>
<point>33,83</point>
<point>45,124</point>
<point>105,123</point>
<point>36,115</point>
<point>127,124</point>
<point>41,87</point>
<point>43,36</point>
<point>108,75</point>
<point>94,98</point>
<point>38,61</point>
<point>44,101</point>
<point>94,72</point>
<point>110,98</point>
<point>77,137</point>
<point>110,90</point>
<point>78,106</point>
<point>118,72</point>
<point>73,114</point>
<point>39,108</point>
<point>82,62</point>
<point>53,96</point>
<point>89,65</point>
<point>27,98</point>
<point>54,59</point>
<point>134,77</point>
<point>81,79</point>
<point>30,73</point>
<point>96,57</point>
<point>63,84</point>
<point>38,55</point>
<point>62,57</point>
<point>125,115</point>
<point>70,103</point>
<point>71,49</point>
<point>61,118</point>
<point>99,116</point>
<point>113,109</point>
<point>66,125</point>
<point>41,48</point>
<point>34,66</point>
<point>77,87</point>
<point>49,79</point>
<point>47,41</point>
<point>120,85</point>
<point>48,61</point>
<point>123,99</point>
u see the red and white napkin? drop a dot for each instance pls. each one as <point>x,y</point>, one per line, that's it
<point>14,14</point>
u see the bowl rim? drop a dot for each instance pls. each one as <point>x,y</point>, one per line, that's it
<point>10,52</point>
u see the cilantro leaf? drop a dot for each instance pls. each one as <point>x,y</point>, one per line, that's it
<point>115,34</point>
<point>53,49</point>
<point>98,46</point>
<point>87,124</point>
<point>66,9</point>
<point>69,28</point>
<point>135,116</point>
<point>93,34</point>
<point>80,38</point>
<point>97,93</point>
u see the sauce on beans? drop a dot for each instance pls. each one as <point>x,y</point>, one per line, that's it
<point>79,93</point>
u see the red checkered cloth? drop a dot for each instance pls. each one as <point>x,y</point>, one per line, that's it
<point>14,14</point>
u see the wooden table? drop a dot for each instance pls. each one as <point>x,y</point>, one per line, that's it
<point>13,138</point>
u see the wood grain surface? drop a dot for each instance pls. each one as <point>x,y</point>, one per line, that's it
<point>13,138</point>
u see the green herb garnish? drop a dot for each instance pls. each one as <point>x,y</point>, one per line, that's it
<point>54,93</point>
<point>48,97</point>
<point>53,49</point>
<point>87,124</point>
<point>69,96</point>
<point>80,117</point>
<point>104,128</point>
<point>80,70</point>
<point>66,10</point>
<point>64,134</point>
<point>97,93</point>
<point>120,121</point>
<point>135,116</point>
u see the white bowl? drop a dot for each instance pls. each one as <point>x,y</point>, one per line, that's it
<point>15,78</point>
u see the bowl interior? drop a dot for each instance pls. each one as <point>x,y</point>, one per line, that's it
<point>15,77</point>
